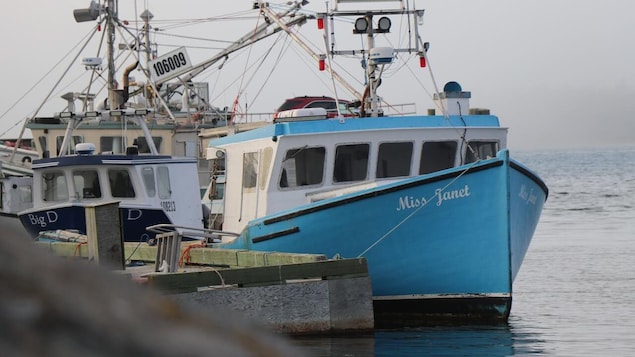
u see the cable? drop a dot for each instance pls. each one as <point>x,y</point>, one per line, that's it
<point>437,192</point>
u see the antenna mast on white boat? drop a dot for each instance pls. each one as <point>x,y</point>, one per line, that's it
<point>115,100</point>
<point>111,11</point>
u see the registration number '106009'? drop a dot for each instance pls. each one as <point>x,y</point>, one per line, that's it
<point>170,65</point>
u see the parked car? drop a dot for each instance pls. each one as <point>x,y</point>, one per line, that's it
<point>328,103</point>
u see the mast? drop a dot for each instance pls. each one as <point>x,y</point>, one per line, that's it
<point>146,16</point>
<point>111,13</point>
<point>375,58</point>
<point>371,69</point>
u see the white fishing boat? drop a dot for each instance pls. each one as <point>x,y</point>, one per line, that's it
<point>17,153</point>
<point>436,204</point>
<point>15,196</point>
<point>15,183</point>
<point>141,153</point>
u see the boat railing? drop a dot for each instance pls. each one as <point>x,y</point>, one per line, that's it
<point>169,238</point>
<point>399,109</point>
<point>252,117</point>
<point>203,234</point>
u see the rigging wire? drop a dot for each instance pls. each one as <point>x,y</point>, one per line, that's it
<point>460,131</point>
<point>277,61</point>
<point>57,83</point>
<point>437,193</point>
<point>92,76</point>
<point>89,35</point>
<point>240,87</point>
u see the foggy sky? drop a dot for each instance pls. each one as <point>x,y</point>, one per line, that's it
<point>559,73</point>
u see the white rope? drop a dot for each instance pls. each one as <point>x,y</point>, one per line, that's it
<point>437,192</point>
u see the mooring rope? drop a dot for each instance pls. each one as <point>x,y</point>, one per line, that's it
<point>437,192</point>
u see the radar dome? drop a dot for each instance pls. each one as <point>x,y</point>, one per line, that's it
<point>452,87</point>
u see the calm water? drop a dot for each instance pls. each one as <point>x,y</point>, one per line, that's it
<point>575,293</point>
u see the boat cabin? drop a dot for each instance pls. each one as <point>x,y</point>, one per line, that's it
<point>296,162</point>
<point>150,189</point>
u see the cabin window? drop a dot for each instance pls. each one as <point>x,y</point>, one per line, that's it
<point>219,193</point>
<point>147,173</point>
<point>120,183</point>
<point>163,178</point>
<point>86,184</point>
<point>250,169</point>
<point>302,167</point>
<point>216,190</point>
<point>326,104</point>
<point>42,141</point>
<point>115,144</point>
<point>142,144</point>
<point>437,155</point>
<point>394,160</point>
<point>351,163</point>
<point>265,165</point>
<point>480,150</point>
<point>54,186</point>
<point>73,141</point>
<point>26,193</point>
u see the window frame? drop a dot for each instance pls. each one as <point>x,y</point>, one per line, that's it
<point>353,170</point>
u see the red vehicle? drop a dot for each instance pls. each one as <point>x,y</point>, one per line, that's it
<point>327,103</point>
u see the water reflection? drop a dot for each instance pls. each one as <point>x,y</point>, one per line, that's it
<point>508,339</point>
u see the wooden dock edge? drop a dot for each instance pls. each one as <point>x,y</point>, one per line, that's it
<point>287,293</point>
<point>191,255</point>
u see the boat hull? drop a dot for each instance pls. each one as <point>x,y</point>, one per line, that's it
<point>438,246</point>
<point>72,217</point>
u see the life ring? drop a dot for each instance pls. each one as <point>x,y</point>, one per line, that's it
<point>26,160</point>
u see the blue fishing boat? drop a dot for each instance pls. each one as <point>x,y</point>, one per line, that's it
<point>435,203</point>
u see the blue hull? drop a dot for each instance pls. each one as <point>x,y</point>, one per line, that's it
<point>72,217</point>
<point>442,245</point>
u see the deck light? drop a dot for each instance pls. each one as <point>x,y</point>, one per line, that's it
<point>383,25</point>
<point>321,62</point>
<point>90,14</point>
<point>320,22</point>
<point>361,25</point>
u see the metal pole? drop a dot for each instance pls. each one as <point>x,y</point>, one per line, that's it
<point>111,11</point>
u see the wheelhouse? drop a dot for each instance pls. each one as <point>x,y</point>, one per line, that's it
<point>299,162</point>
